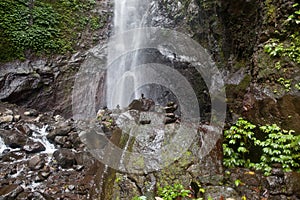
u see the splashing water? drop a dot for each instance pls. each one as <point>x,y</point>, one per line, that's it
<point>121,80</point>
<point>39,135</point>
<point>2,146</point>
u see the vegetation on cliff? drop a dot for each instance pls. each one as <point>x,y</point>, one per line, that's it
<point>43,27</point>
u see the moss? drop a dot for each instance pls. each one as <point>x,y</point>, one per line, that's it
<point>270,10</point>
<point>43,27</point>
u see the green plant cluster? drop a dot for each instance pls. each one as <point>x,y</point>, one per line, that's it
<point>171,192</point>
<point>287,44</point>
<point>278,147</point>
<point>42,27</point>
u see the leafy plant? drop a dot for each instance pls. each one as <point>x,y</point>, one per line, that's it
<point>237,141</point>
<point>172,192</point>
<point>278,147</point>
<point>286,83</point>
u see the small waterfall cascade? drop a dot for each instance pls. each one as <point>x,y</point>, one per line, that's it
<point>121,78</point>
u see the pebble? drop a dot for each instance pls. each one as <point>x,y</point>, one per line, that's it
<point>17,117</point>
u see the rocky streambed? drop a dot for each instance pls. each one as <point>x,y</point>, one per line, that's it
<point>43,157</point>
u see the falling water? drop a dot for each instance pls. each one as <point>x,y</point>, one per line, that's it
<point>121,79</point>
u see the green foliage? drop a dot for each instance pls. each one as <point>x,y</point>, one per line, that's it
<point>287,44</point>
<point>237,141</point>
<point>286,83</point>
<point>171,192</point>
<point>278,147</point>
<point>139,198</point>
<point>281,147</point>
<point>41,27</point>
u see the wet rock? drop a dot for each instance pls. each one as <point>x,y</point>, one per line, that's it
<point>275,184</point>
<point>67,145</point>
<point>171,109</point>
<point>292,180</point>
<point>170,115</point>
<point>24,129</point>
<point>34,147</point>
<point>142,105</point>
<point>12,156</point>
<point>6,119</point>
<point>84,159</point>
<point>170,120</point>
<point>65,157</point>
<point>60,139</point>
<point>37,162</point>
<point>10,192</point>
<point>221,192</point>
<point>277,172</point>
<point>75,140</point>
<point>13,138</point>
<point>60,131</point>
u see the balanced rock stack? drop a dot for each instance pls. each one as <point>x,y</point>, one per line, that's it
<point>170,115</point>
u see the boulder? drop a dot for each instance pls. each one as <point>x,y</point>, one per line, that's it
<point>12,156</point>
<point>36,162</point>
<point>24,129</point>
<point>65,157</point>
<point>59,131</point>
<point>13,138</point>
<point>142,105</point>
<point>33,147</point>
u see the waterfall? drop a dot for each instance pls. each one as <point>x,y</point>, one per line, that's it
<point>121,78</point>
